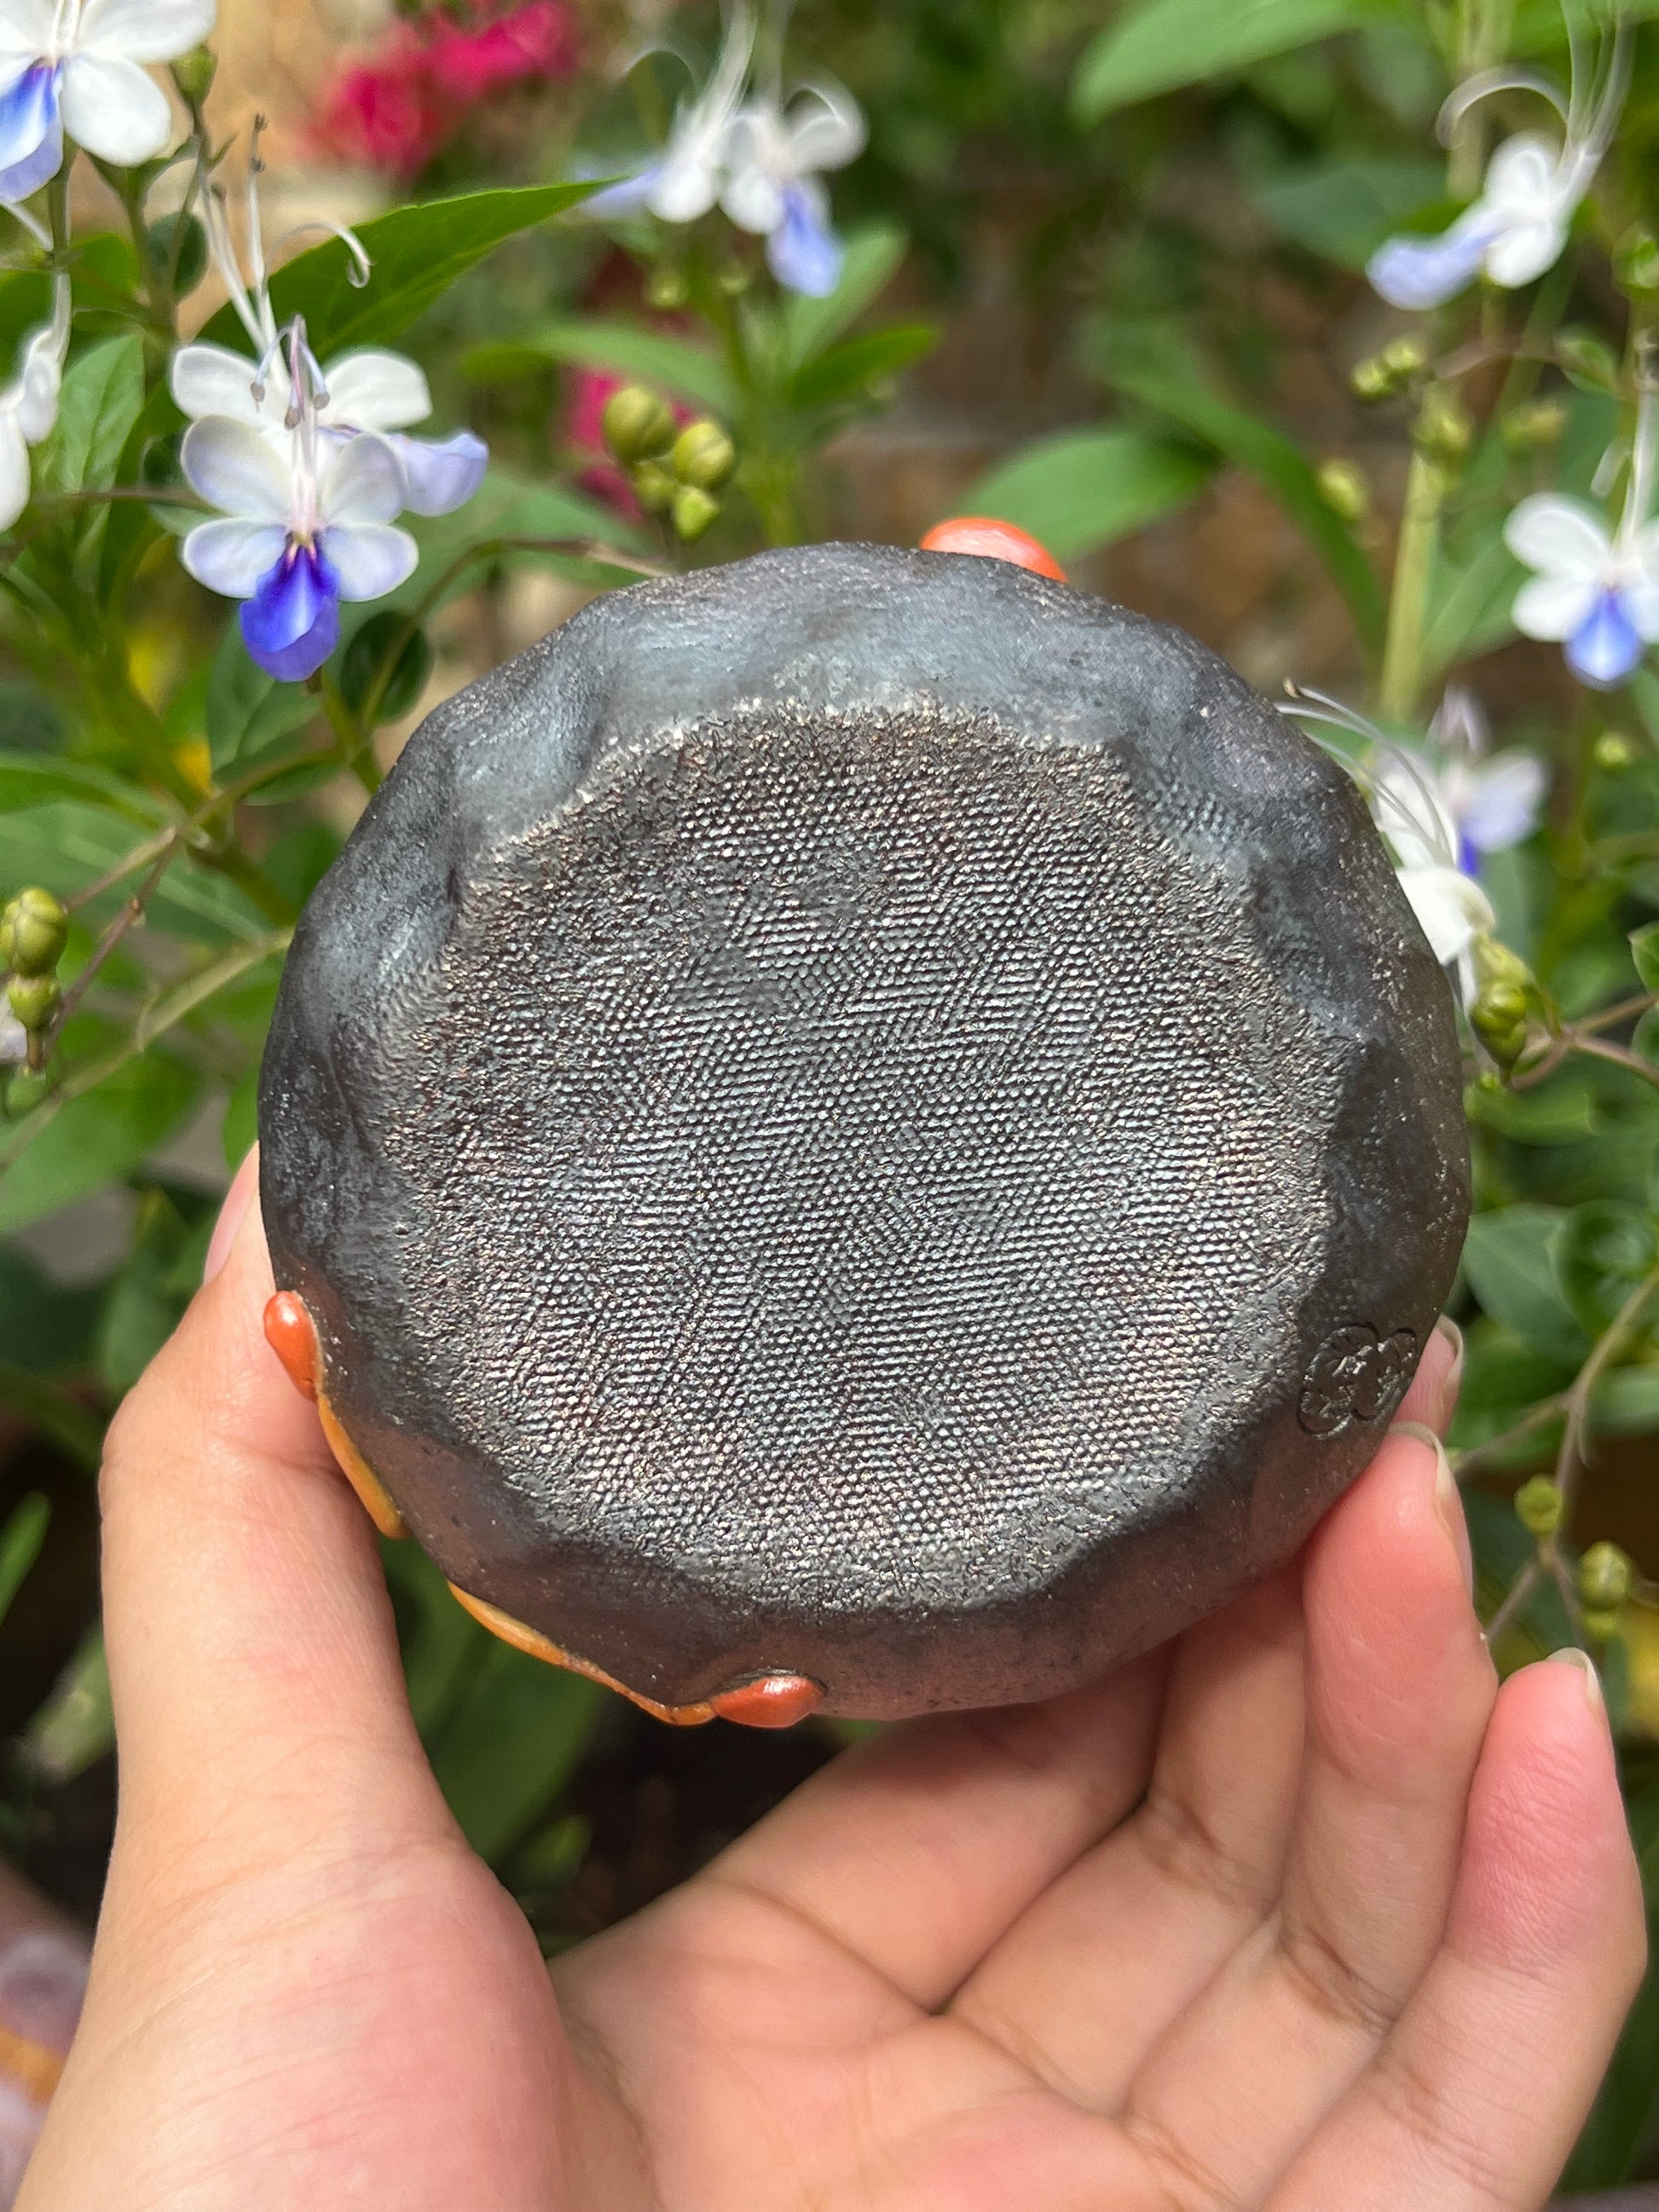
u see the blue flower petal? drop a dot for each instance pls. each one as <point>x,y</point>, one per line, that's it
<point>440,474</point>
<point>292,623</point>
<point>31,131</point>
<point>628,196</point>
<point>802,251</point>
<point>1606,646</point>
<point>1421,272</point>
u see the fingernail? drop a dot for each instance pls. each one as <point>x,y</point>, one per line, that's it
<point>1448,1327</point>
<point>1571,1655</point>
<point>232,1214</point>
<point>1447,1505</point>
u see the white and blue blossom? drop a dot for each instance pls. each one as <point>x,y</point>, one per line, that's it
<point>77,68</point>
<point>368,389</point>
<point>1441,807</point>
<point>1517,227</point>
<point>308,521</point>
<point>1594,590</point>
<point>776,152</point>
<point>760,156</point>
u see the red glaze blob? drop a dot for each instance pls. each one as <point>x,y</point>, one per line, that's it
<point>995,541</point>
<point>290,1335</point>
<point>775,1701</point>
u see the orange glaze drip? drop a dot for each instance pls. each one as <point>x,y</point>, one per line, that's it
<point>292,1335</point>
<point>773,1701</point>
<point>995,541</point>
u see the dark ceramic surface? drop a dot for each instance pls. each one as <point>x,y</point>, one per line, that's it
<point>863,1113</point>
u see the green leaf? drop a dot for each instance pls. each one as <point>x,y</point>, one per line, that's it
<point>510,1744</point>
<point>1621,2122</point>
<point>626,349</point>
<point>1469,599</point>
<point>36,779</point>
<point>1509,1260</point>
<point>1627,1402</point>
<point>1282,471</point>
<point>44,1328</point>
<point>1602,1251</point>
<point>416,252</point>
<point>1080,489</point>
<point>64,845</point>
<point>871,255</point>
<point>96,1139</point>
<point>1644,951</point>
<point>75,1726</point>
<point>56,1411</point>
<point>1165,43</point>
<point>102,393</point>
<point>20,1545</point>
<point>241,1123</point>
<point>152,1287</point>
<point>366,677</point>
<point>1344,208</point>
<point>247,709</point>
<point>846,370</point>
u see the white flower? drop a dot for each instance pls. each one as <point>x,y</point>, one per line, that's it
<point>1439,807</point>
<point>759,157</point>
<point>1516,228</point>
<point>684,181</point>
<point>368,389</point>
<point>771,187</point>
<point>77,66</point>
<point>308,524</point>
<point>1597,591</point>
<point>29,404</point>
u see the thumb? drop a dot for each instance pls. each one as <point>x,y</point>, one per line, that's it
<point>252,1659</point>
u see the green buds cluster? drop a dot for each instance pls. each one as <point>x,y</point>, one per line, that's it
<point>1384,375</point>
<point>1443,431</point>
<point>666,289</point>
<point>1539,422</point>
<point>33,931</point>
<point>1507,1000</point>
<point>674,474</point>
<point>1343,488</point>
<point>1538,1506</point>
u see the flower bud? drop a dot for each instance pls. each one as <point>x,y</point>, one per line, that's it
<point>636,423</point>
<point>1607,1576</point>
<point>694,510</point>
<point>666,289</point>
<point>1384,374</point>
<point>38,930</point>
<point>1613,752</point>
<point>703,455</point>
<point>654,486</point>
<point>1636,262</point>
<point>1498,1019</point>
<point>1443,431</point>
<point>35,1000</point>
<point>734,280</point>
<point>1494,962</point>
<point>1370,381</point>
<point>1588,360</point>
<point>1539,422</point>
<point>1601,1624</point>
<point>193,73</point>
<point>1538,1506</point>
<point>1343,488</point>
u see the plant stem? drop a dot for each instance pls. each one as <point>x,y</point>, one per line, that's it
<point>1402,648</point>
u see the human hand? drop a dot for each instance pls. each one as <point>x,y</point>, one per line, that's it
<point>1303,1912</point>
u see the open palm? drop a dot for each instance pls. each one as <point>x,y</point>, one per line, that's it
<point>1301,1912</point>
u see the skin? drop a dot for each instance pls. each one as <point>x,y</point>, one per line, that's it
<point>1302,1912</point>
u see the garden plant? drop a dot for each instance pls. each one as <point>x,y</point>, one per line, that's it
<point>653,299</point>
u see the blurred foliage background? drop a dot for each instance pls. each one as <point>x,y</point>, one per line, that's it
<point>1103,276</point>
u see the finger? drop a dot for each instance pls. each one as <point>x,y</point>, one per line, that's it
<point>1400,1687</point>
<point>1475,2099</point>
<point>917,1849</point>
<point>253,1660</point>
<point>1085,1983</point>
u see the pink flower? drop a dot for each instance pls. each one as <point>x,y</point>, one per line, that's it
<point>534,41</point>
<point>385,113</point>
<point>403,104</point>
